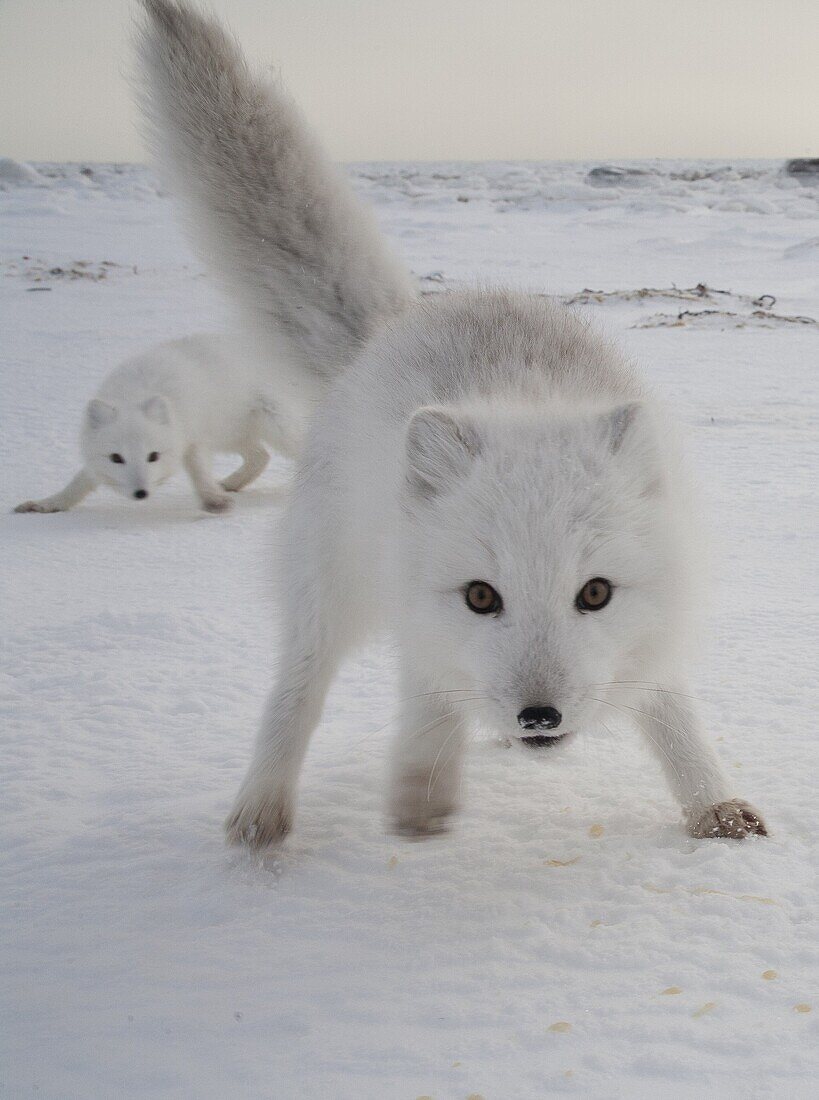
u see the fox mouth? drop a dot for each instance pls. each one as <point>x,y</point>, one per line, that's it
<point>542,741</point>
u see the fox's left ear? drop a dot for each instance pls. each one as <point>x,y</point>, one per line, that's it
<point>618,423</point>
<point>630,432</point>
<point>439,450</point>
<point>156,409</point>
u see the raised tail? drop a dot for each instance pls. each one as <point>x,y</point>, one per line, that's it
<point>279,226</point>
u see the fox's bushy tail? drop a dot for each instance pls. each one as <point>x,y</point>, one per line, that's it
<point>271,215</point>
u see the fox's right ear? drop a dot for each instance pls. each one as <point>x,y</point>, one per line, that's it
<point>440,449</point>
<point>99,413</point>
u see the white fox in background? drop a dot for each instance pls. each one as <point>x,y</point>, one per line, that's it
<point>483,475</point>
<point>176,405</point>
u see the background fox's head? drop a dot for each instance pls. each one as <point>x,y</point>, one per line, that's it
<point>541,562</point>
<point>131,448</point>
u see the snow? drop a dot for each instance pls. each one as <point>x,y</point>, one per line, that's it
<point>15,174</point>
<point>567,938</point>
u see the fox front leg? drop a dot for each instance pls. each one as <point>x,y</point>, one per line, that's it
<point>211,494</point>
<point>263,810</point>
<point>322,620</point>
<point>427,762</point>
<point>76,490</point>
<point>673,729</point>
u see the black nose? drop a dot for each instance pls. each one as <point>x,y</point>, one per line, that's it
<point>140,494</point>
<point>539,718</point>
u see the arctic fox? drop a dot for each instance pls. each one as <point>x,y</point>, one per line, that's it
<point>484,476</point>
<point>173,406</point>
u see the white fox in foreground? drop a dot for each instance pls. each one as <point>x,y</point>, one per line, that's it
<point>173,406</point>
<point>483,476</point>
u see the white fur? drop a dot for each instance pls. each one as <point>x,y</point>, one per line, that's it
<point>480,436</point>
<point>184,401</point>
<point>301,258</point>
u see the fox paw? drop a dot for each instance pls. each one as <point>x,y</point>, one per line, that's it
<point>259,819</point>
<point>38,506</point>
<point>217,503</point>
<point>416,815</point>
<point>735,819</point>
<point>420,827</point>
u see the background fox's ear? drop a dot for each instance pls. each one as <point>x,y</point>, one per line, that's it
<point>156,409</point>
<point>98,413</point>
<point>440,449</point>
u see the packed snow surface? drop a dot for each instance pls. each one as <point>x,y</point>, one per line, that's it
<point>567,938</point>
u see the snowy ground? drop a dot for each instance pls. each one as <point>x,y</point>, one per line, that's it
<point>567,937</point>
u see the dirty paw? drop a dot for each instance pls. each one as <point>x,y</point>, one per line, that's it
<point>259,820</point>
<point>420,827</point>
<point>735,819</point>
<point>217,504</point>
<point>414,815</point>
<point>38,506</point>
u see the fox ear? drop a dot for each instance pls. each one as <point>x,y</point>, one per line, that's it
<point>621,422</point>
<point>156,409</point>
<point>439,450</point>
<point>629,432</point>
<point>99,413</point>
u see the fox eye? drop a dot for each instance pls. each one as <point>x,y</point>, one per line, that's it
<point>153,456</point>
<point>482,598</point>
<point>594,594</point>
<point>116,458</point>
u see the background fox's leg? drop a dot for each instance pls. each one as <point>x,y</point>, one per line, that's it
<point>76,490</point>
<point>210,492</point>
<point>254,460</point>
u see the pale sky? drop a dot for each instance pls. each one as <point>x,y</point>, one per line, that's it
<point>449,79</point>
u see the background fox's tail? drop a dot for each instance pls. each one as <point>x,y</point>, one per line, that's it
<point>273,218</point>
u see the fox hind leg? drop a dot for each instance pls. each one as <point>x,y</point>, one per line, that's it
<point>254,461</point>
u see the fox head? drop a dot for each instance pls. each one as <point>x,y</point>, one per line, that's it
<point>131,448</point>
<point>541,564</point>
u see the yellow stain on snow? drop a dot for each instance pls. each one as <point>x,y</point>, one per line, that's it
<point>700,891</point>
<point>769,975</point>
<point>672,991</point>
<point>709,1006</point>
<point>596,831</point>
<point>802,1008</point>
<point>561,862</point>
<point>561,1026</point>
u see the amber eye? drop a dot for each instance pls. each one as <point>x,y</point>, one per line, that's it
<point>594,594</point>
<point>482,598</point>
<point>117,458</point>
<point>153,456</point>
